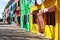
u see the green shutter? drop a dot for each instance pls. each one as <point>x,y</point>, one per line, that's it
<point>21,13</point>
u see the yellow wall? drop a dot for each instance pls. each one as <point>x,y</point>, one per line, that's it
<point>48,4</point>
<point>45,5</point>
<point>33,27</point>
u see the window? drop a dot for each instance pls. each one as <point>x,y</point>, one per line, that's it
<point>14,8</point>
<point>11,8</point>
<point>28,18</point>
<point>11,2</point>
<point>35,16</point>
<point>50,18</point>
<point>25,19</point>
<point>19,3</point>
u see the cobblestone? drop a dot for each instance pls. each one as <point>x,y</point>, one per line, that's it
<point>18,34</point>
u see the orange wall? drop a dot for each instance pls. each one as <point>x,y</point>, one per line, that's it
<point>59,18</point>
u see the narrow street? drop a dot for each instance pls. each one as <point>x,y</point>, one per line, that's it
<point>10,32</point>
<point>29,19</point>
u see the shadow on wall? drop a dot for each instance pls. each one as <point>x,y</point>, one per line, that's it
<point>59,23</point>
<point>47,4</point>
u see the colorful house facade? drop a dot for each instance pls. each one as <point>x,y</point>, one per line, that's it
<point>12,7</point>
<point>50,30</point>
<point>24,14</point>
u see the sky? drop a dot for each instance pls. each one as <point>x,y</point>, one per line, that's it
<point>3,3</point>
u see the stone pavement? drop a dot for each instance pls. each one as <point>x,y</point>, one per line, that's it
<point>14,33</point>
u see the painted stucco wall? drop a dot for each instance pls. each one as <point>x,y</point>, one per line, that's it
<point>59,17</point>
